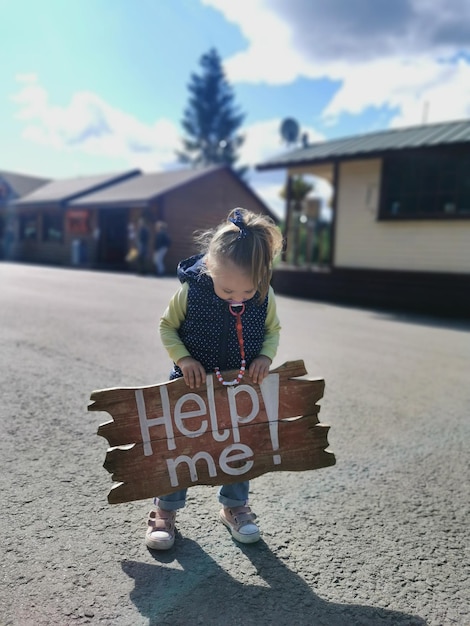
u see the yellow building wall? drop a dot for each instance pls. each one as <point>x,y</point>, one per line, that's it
<point>364,242</point>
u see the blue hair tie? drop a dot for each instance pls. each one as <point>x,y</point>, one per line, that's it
<point>239,223</point>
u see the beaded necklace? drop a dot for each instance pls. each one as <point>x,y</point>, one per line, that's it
<point>239,327</point>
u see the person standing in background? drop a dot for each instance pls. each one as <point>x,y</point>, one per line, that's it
<point>161,244</point>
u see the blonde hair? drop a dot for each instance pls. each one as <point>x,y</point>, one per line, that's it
<point>250,241</point>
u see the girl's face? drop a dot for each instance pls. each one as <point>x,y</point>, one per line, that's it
<point>230,282</point>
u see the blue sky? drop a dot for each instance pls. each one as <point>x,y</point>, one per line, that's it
<point>93,86</point>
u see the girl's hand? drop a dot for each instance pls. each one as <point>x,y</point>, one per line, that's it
<point>259,369</point>
<point>193,372</point>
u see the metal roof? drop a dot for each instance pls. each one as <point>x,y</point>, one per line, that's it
<point>424,136</point>
<point>59,191</point>
<point>22,184</point>
<point>140,190</point>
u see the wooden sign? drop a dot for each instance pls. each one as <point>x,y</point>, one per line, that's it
<point>168,437</point>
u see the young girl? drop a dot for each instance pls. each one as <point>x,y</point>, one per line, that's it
<point>229,281</point>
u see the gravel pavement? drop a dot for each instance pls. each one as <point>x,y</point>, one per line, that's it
<point>379,539</point>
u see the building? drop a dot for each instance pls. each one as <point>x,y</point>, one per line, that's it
<point>92,221</point>
<point>400,229</point>
<point>48,232</point>
<point>12,187</point>
<point>187,200</point>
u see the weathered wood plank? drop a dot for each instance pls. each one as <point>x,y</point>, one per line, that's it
<point>296,398</point>
<point>166,437</point>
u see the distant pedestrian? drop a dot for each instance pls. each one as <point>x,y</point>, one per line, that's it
<point>161,244</point>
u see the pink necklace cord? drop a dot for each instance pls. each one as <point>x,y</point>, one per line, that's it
<point>239,327</point>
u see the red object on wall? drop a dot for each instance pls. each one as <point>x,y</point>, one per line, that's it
<point>78,222</point>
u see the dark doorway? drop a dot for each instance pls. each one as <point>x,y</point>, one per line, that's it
<point>112,244</point>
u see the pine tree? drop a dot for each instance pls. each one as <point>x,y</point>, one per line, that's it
<point>211,118</point>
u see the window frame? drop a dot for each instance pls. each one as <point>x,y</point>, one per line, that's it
<point>447,162</point>
<point>49,220</point>
<point>23,220</point>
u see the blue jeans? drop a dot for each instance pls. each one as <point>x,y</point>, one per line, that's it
<point>233,495</point>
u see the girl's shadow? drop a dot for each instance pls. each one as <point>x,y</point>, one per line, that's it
<point>199,591</point>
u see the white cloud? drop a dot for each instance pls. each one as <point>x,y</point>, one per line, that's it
<point>263,140</point>
<point>268,187</point>
<point>404,54</point>
<point>270,56</point>
<point>323,36</point>
<point>88,124</point>
<point>439,101</point>
<point>411,86</point>
<point>26,78</point>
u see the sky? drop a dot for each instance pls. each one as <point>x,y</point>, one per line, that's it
<point>98,86</point>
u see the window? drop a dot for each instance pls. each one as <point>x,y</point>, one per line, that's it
<point>52,227</point>
<point>28,227</point>
<point>426,185</point>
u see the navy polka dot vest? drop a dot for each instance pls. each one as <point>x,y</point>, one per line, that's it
<point>209,332</point>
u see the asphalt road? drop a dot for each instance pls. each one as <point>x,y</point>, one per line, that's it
<point>380,538</point>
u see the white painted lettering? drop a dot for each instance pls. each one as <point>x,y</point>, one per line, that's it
<point>180,415</point>
<point>229,455</point>
<point>172,464</point>
<point>270,392</point>
<point>235,418</point>
<point>225,434</point>
<point>146,424</point>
